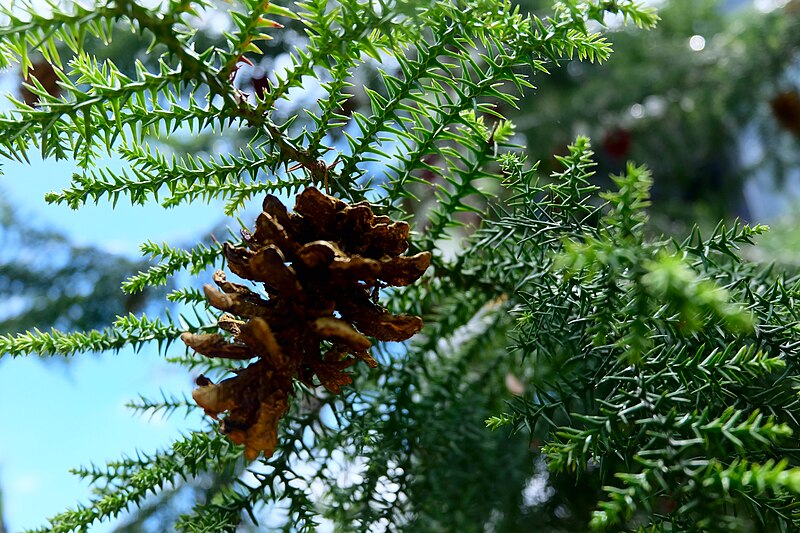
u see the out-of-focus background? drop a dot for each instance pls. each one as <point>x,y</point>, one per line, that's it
<point>709,100</point>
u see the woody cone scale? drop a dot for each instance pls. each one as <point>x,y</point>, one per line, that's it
<point>321,267</point>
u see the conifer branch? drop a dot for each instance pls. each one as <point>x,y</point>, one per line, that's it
<point>196,260</point>
<point>663,370</point>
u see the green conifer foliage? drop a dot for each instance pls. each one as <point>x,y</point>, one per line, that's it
<point>647,384</point>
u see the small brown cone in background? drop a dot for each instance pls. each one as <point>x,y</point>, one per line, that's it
<point>617,142</point>
<point>321,267</point>
<point>44,74</point>
<point>786,109</point>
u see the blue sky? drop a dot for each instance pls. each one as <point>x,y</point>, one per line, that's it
<point>59,415</point>
<point>64,416</point>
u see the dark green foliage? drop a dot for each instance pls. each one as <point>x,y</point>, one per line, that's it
<point>698,119</point>
<point>665,369</point>
<point>654,378</point>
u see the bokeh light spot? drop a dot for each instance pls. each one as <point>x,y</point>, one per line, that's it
<point>697,42</point>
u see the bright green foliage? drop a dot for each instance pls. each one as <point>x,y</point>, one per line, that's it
<point>662,370</point>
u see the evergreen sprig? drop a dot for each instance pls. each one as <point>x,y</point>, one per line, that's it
<point>173,260</point>
<point>198,452</point>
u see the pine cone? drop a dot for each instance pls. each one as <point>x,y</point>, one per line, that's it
<point>322,267</point>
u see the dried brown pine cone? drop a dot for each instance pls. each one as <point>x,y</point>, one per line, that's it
<point>321,267</point>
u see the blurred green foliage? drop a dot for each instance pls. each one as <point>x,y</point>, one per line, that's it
<point>688,114</point>
<point>48,282</point>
